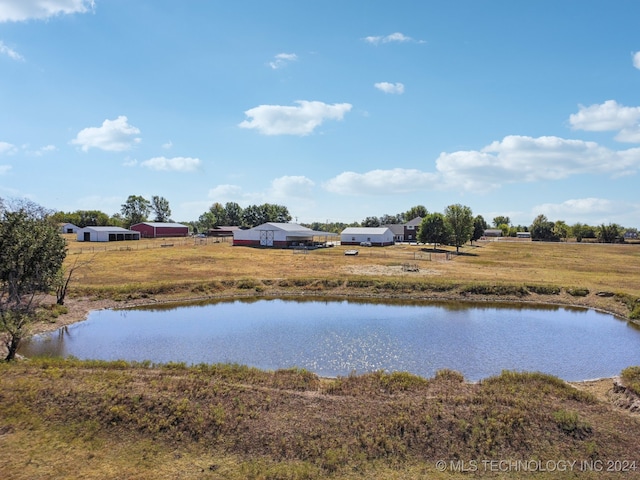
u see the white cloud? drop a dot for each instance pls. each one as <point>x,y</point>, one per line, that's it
<point>389,182</point>
<point>593,211</point>
<point>130,162</point>
<point>282,59</point>
<point>21,10</point>
<point>292,187</point>
<point>4,169</point>
<point>113,136</point>
<point>526,159</point>
<point>609,116</point>
<point>225,192</point>
<point>10,52</point>
<point>175,164</point>
<point>579,207</point>
<point>515,159</point>
<point>300,120</point>
<point>167,145</point>
<point>392,38</point>
<point>43,150</point>
<point>636,60</point>
<point>7,148</point>
<point>386,87</point>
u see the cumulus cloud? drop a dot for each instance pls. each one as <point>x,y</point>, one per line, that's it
<point>11,53</point>
<point>22,10</point>
<point>113,136</point>
<point>593,211</point>
<point>636,60</point>
<point>386,87</point>
<point>167,145</point>
<point>526,159</point>
<point>43,150</point>
<point>299,120</point>
<point>175,164</point>
<point>514,159</point>
<point>282,59</point>
<point>579,208</point>
<point>392,38</point>
<point>609,116</point>
<point>7,148</point>
<point>225,192</point>
<point>292,187</point>
<point>389,182</point>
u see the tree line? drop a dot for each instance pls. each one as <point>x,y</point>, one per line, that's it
<point>137,209</point>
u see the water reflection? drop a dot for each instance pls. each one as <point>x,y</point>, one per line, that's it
<point>337,337</point>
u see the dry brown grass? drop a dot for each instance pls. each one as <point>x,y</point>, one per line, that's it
<point>188,268</point>
<point>94,420</point>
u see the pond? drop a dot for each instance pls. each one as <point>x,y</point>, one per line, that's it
<point>339,337</point>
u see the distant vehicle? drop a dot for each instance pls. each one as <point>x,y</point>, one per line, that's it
<point>365,244</point>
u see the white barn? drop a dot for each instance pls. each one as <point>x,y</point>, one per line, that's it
<point>282,235</point>
<point>106,234</point>
<point>376,236</point>
<point>69,228</point>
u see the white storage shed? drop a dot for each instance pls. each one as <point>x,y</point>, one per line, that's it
<point>106,234</point>
<point>282,235</point>
<point>376,236</point>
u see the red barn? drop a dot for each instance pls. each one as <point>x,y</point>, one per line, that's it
<point>160,229</point>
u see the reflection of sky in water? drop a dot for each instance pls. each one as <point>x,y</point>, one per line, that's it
<point>337,338</point>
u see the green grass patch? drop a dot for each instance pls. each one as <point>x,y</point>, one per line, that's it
<point>578,292</point>
<point>544,289</point>
<point>498,290</point>
<point>631,378</point>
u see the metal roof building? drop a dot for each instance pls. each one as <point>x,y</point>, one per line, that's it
<point>160,229</point>
<point>376,236</point>
<point>106,234</point>
<point>282,235</point>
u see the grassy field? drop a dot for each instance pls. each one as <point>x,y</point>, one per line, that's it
<point>96,420</point>
<point>556,272</point>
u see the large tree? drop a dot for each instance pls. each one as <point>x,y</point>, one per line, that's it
<point>135,210</point>
<point>501,220</point>
<point>161,209</point>
<point>460,220</point>
<point>479,226</point>
<point>31,256</point>
<point>415,212</point>
<point>233,213</point>
<point>434,229</point>
<point>542,229</point>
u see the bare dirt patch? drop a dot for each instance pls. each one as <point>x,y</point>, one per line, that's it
<point>387,270</point>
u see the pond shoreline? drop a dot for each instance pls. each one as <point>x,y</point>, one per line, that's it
<point>80,308</point>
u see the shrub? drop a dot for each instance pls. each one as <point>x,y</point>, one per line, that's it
<point>570,423</point>
<point>544,289</point>
<point>578,292</point>
<point>631,378</point>
<point>516,290</point>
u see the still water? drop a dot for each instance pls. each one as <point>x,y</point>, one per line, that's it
<point>335,338</point>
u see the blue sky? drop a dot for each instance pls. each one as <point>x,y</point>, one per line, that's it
<point>337,109</point>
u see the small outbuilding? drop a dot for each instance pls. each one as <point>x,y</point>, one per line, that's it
<point>222,231</point>
<point>374,236</point>
<point>493,232</point>
<point>280,235</point>
<point>106,234</point>
<point>160,229</point>
<point>69,228</point>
